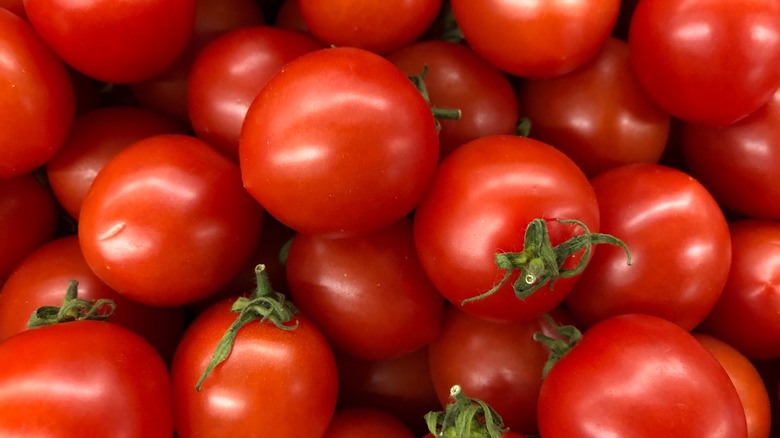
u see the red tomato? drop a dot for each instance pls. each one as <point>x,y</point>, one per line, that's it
<point>680,248</point>
<point>746,315</point>
<point>351,157</point>
<point>707,61</point>
<point>536,39</point>
<point>94,376</point>
<point>15,6</point>
<point>484,196</point>
<point>115,41</point>
<point>380,27</point>
<point>93,140</point>
<point>598,115</point>
<point>166,222</point>
<point>275,382</point>
<point>346,284</point>
<point>366,422</point>
<point>739,163</point>
<point>229,72</point>
<point>28,219</point>
<point>747,381</point>
<point>639,375</point>
<point>289,17</point>
<point>36,98</point>
<point>457,78</point>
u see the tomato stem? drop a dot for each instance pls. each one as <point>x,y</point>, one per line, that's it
<point>73,309</point>
<point>438,113</point>
<point>558,347</point>
<point>465,417</point>
<point>523,128</point>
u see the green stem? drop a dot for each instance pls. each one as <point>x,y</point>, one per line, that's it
<point>465,418</point>
<point>559,347</point>
<point>73,309</point>
<point>438,113</point>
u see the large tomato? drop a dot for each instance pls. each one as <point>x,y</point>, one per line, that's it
<point>339,142</point>
<point>166,222</point>
<point>639,375</point>
<point>707,61</point>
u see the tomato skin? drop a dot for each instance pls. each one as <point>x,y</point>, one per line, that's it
<point>679,242</point>
<point>93,373</point>
<point>598,115</point>
<point>36,92</point>
<point>115,41</point>
<point>639,375</point>
<point>536,39</point>
<point>707,61</point>
<point>366,422</point>
<point>349,158</point>
<point>253,388</point>
<point>166,222</point>
<point>484,195</point>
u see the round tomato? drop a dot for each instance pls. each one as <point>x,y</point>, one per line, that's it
<point>639,375</point>
<point>366,422</point>
<point>536,39</point>
<point>340,141</point>
<point>166,222</point>
<point>707,61</point>
<point>37,102</point>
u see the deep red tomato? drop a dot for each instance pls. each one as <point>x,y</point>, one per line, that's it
<point>707,61</point>
<point>746,315</point>
<point>15,6</point>
<point>366,422</point>
<point>67,379</point>
<point>748,382</point>
<point>739,163</point>
<point>28,219</point>
<point>289,17</point>
<point>536,39</point>
<point>94,139</point>
<point>639,375</point>
<point>484,196</point>
<point>36,98</point>
<point>220,92</point>
<point>339,142</point>
<point>166,222</point>
<point>346,284</point>
<point>380,27</point>
<point>115,41</point>
<point>598,115</point>
<point>458,78</point>
<point>680,248</point>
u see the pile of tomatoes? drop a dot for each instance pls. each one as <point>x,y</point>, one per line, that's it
<point>299,218</point>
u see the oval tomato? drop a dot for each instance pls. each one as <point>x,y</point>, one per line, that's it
<point>366,422</point>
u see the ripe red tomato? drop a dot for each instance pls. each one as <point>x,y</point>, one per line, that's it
<point>115,41</point>
<point>339,142</point>
<point>166,222</point>
<point>366,422</point>
<point>707,61</point>
<point>680,248</point>
<point>536,39</point>
<point>94,375</point>
<point>639,375</point>
<point>484,196</point>
<point>598,115</point>
<point>37,102</point>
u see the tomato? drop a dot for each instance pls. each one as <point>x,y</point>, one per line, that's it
<point>747,381</point>
<point>680,248</point>
<point>94,139</point>
<point>166,222</point>
<point>28,219</point>
<point>457,78</point>
<point>466,416</point>
<point>745,315</point>
<point>707,61</point>
<point>68,378</point>
<point>366,422</point>
<point>35,91</point>
<point>220,92</point>
<point>598,115</point>
<point>380,27</point>
<point>639,375</point>
<point>536,39</point>
<point>739,163</point>
<point>351,157</point>
<point>15,6</point>
<point>346,285</point>
<point>289,17</point>
<point>115,41</point>
<point>484,196</point>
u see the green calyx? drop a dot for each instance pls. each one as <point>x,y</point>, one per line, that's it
<point>73,309</point>
<point>265,305</point>
<point>540,263</point>
<point>438,113</point>
<point>465,418</point>
<point>559,347</point>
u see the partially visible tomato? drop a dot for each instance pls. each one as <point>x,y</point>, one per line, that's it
<point>366,422</point>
